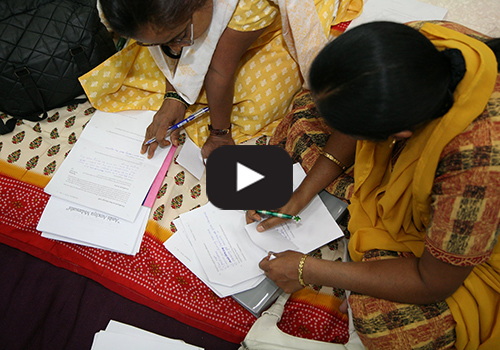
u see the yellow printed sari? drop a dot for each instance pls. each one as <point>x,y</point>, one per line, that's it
<point>391,208</point>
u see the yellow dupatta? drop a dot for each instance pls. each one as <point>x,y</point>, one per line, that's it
<point>391,209</point>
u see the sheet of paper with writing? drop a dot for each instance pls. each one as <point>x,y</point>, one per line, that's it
<point>105,169</point>
<point>271,240</point>
<point>227,254</point>
<point>92,228</point>
<point>223,243</point>
<point>182,249</point>
<point>316,227</point>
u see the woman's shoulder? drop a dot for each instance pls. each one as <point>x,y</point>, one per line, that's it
<point>479,141</point>
<point>251,15</point>
<point>466,192</point>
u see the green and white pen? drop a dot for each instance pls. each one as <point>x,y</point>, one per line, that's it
<point>279,215</point>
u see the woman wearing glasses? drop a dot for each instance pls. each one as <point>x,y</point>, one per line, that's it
<point>229,55</point>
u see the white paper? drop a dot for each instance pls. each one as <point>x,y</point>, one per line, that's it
<point>181,248</point>
<point>105,169</point>
<point>124,337</point>
<point>400,11</point>
<point>72,223</point>
<point>62,238</point>
<point>227,254</point>
<point>316,228</point>
<point>190,158</point>
<point>225,250</point>
<point>118,327</point>
<point>269,240</point>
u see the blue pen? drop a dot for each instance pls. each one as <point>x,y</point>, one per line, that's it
<point>181,123</point>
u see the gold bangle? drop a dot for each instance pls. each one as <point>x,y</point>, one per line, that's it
<point>333,159</point>
<point>172,95</point>
<point>301,270</point>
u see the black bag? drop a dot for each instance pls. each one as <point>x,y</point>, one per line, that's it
<point>45,45</point>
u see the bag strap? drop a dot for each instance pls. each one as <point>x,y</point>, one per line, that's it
<point>81,59</point>
<point>25,77</point>
<point>7,127</point>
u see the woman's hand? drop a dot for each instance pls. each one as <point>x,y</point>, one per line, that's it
<point>283,270</point>
<point>293,207</point>
<point>171,112</point>
<point>214,141</point>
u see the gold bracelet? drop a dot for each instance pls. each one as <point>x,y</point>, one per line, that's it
<point>333,159</point>
<point>172,95</point>
<point>301,270</point>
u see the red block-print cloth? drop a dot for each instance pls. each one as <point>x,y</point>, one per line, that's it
<point>153,277</point>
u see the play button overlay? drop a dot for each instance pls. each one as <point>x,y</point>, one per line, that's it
<point>246,176</point>
<point>249,177</point>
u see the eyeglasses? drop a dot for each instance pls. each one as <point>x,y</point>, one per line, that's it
<point>186,40</point>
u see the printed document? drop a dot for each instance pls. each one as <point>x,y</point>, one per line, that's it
<point>92,228</point>
<point>105,170</point>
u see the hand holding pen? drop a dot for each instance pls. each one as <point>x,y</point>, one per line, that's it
<point>180,124</point>
<point>279,215</point>
<point>268,219</point>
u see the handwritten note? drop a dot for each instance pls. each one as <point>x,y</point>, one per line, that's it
<point>316,227</point>
<point>218,236</point>
<point>230,251</point>
<point>180,246</point>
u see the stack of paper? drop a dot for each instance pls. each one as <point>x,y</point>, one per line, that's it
<point>98,191</point>
<point>124,337</point>
<point>224,252</point>
<point>68,222</point>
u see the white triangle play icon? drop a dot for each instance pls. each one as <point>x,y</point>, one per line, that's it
<point>246,176</point>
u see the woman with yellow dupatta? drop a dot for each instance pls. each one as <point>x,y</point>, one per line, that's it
<point>424,107</point>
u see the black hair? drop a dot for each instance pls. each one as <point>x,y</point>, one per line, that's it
<point>381,78</point>
<point>494,45</point>
<point>128,17</point>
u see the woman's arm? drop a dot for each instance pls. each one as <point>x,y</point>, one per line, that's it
<point>170,112</point>
<point>323,172</point>
<point>406,280</point>
<point>219,82</point>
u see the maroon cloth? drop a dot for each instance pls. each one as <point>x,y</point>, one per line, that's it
<point>46,307</point>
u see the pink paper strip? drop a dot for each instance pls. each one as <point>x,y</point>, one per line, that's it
<point>153,191</point>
